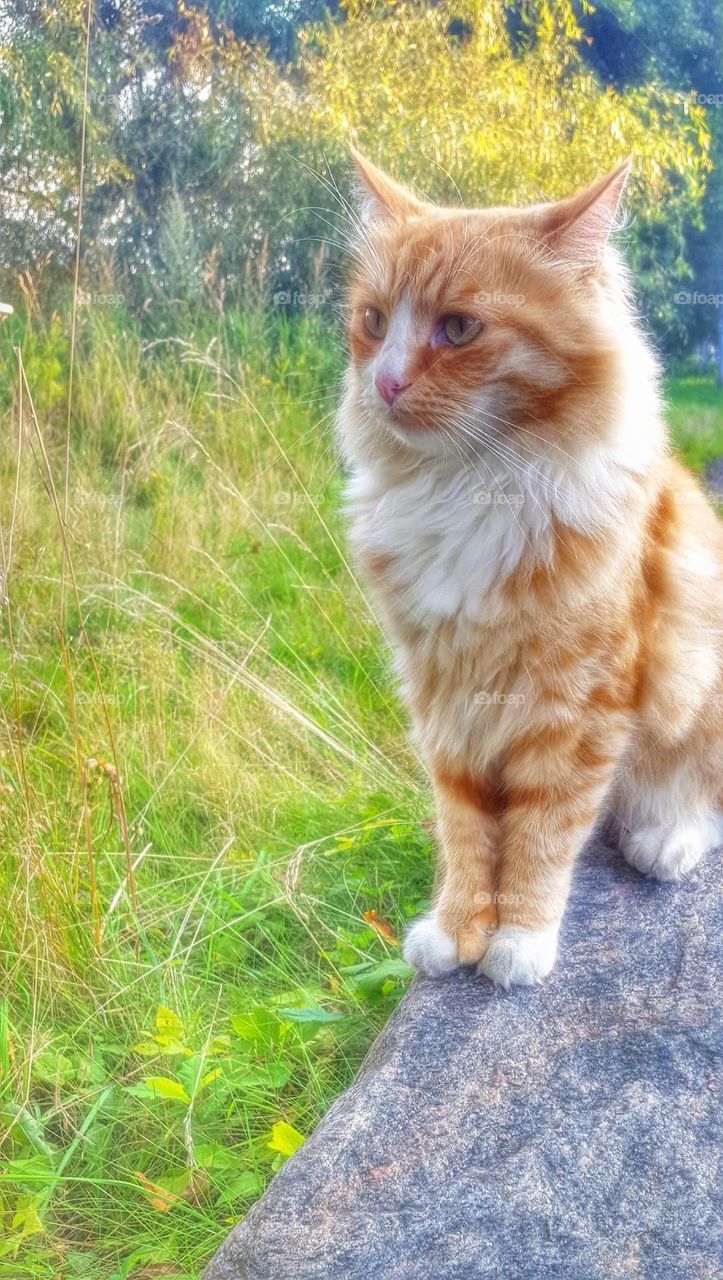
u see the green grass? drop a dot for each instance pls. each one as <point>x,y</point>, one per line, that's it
<point>695,416</point>
<point>162,1051</point>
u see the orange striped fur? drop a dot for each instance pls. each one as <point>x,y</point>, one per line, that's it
<point>549,576</point>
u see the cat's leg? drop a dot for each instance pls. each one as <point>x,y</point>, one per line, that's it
<point>553,788</point>
<point>664,808</point>
<point>463,918</point>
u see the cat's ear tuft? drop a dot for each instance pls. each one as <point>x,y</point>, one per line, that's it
<point>579,227</point>
<point>381,198</point>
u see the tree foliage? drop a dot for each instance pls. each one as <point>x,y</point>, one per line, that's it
<point>209,157</point>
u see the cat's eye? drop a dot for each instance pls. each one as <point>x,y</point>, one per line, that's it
<point>458,330</point>
<point>375,322</point>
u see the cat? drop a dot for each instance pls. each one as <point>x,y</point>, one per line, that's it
<point>549,576</point>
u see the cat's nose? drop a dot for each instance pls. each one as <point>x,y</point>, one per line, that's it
<point>389,388</point>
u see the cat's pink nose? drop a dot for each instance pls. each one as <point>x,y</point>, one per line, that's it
<point>389,388</point>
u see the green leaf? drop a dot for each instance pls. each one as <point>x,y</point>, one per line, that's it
<point>168,1023</point>
<point>214,1157</point>
<point>26,1219</point>
<point>163,1087</point>
<point>261,1026</point>
<point>29,1169</point>
<point>219,1044</point>
<point>172,1047</point>
<point>147,1048</point>
<point>311,1013</point>
<point>247,1186</point>
<point>263,1075</point>
<point>13,1115</point>
<point>207,1079</point>
<point>285,1139</point>
<point>394,970</point>
<point>52,1068</point>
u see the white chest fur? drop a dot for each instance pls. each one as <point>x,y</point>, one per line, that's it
<point>446,543</point>
<point>449,538</point>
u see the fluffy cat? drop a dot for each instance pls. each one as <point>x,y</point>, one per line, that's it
<point>549,576</point>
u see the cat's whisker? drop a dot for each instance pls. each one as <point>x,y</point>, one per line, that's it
<point>501,489</point>
<point>512,462</point>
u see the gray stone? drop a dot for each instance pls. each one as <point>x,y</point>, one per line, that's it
<point>567,1130</point>
<point>714,477</point>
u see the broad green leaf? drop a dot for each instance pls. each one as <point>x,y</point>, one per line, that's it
<point>285,1138</point>
<point>29,1169</point>
<point>260,1025</point>
<point>168,1023</point>
<point>163,1087</point>
<point>312,1013</point>
<point>147,1048</point>
<point>52,1068</point>
<point>263,1075</point>
<point>247,1186</point>
<point>26,1219</point>
<point>218,1045</point>
<point>214,1157</point>
<point>172,1047</point>
<point>80,1264</point>
<point>392,970</point>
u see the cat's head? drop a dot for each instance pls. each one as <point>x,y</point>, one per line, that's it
<point>466,324</point>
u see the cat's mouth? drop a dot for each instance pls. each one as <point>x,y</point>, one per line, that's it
<point>402,419</point>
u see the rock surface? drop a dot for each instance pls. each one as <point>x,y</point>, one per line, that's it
<point>569,1130</point>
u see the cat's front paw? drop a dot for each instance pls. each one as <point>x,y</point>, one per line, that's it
<point>429,949</point>
<point>519,957</point>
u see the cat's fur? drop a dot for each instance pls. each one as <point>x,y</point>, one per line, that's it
<point>550,577</point>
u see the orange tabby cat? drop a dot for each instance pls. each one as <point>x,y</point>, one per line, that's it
<point>549,576</point>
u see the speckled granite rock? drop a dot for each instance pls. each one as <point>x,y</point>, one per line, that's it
<point>569,1130</point>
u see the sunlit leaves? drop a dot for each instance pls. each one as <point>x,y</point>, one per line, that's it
<point>491,116</point>
<point>163,1087</point>
<point>285,1139</point>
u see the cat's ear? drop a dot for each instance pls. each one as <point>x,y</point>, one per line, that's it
<point>381,197</point>
<point>578,228</point>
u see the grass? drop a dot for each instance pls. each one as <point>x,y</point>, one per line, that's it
<point>695,416</point>
<point>180,1004</point>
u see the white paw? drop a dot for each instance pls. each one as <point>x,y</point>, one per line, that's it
<point>429,949</point>
<point>668,852</point>
<point>518,956</point>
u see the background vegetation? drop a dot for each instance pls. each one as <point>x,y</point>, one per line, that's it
<point>213,830</point>
<point>215,139</point>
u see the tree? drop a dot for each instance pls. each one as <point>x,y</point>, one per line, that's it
<point>680,42</point>
<point>209,161</point>
<point>501,108</point>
